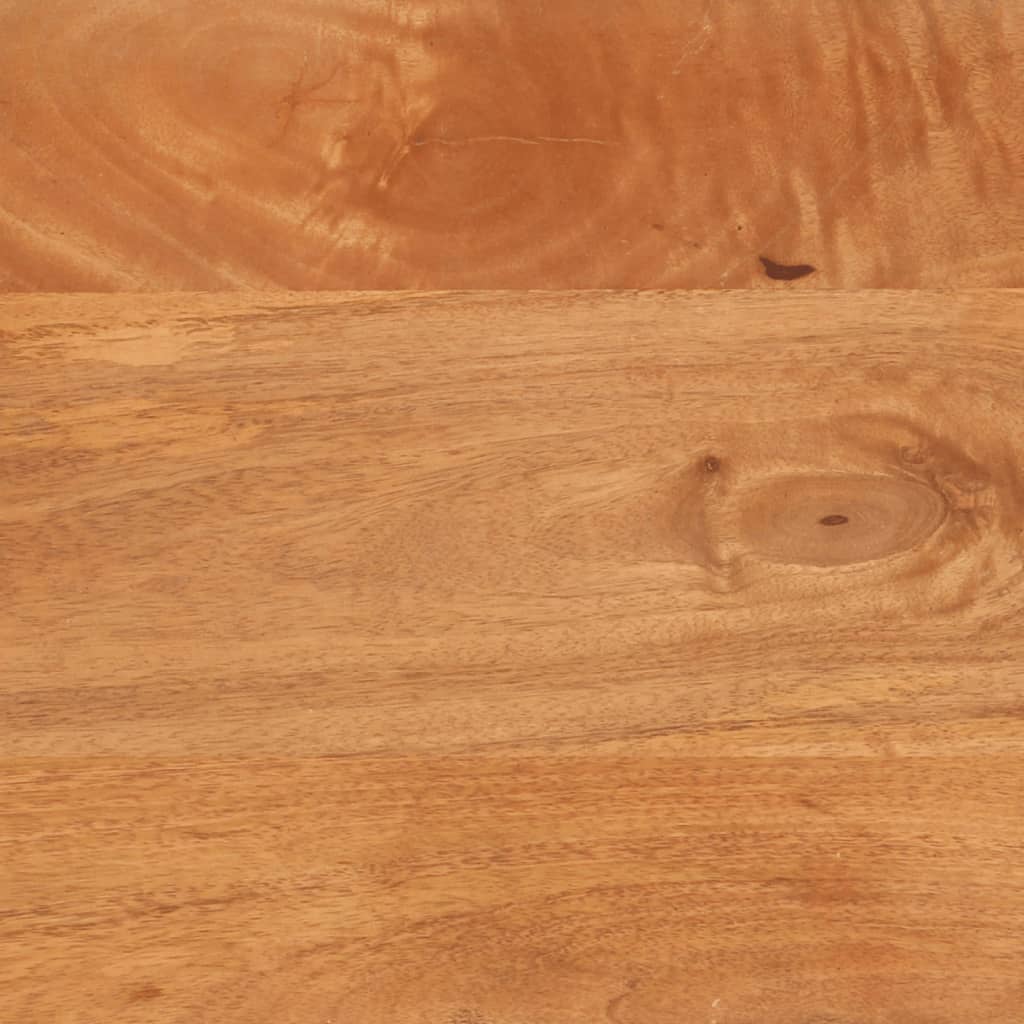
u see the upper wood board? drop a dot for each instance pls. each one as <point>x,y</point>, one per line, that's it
<point>307,144</point>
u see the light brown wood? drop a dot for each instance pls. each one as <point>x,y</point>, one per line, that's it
<point>210,144</point>
<point>510,519</point>
<point>499,890</point>
<point>502,659</point>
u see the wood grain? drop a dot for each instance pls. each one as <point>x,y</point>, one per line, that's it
<point>501,890</point>
<point>211,144</point>
<point>505,659</point>
<point>739,524</point>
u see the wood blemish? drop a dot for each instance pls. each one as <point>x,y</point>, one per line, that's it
<point>146,992</point>
<point>784,271</point>
<point>834,520</point>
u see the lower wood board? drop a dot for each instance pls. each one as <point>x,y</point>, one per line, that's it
<point>506,890</point>
<point>497,658</point>
<point>315,144</point>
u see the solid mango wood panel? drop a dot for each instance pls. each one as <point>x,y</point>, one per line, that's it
<point>503,890</point>
<point>700,523</point>
<point>214,144</point>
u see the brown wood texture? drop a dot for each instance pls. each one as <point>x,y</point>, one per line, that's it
<point>215,144</point>
<point>512,658</point>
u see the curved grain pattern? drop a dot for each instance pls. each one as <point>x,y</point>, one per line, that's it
<point>835,520</point>
<point>314,144</point>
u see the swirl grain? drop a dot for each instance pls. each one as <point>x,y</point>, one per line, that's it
<point>834,520</point>
<point>314,144</point>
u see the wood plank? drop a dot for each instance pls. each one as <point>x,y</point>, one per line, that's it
<point>502,890</point>
<point>497,658</point>
<point>214,144</point>
<point>373,524</point>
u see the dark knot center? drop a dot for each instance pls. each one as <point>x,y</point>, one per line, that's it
<point>833,520</point>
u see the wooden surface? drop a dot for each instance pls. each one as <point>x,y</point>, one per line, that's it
<point>512,659</point>
<point>216,144</point>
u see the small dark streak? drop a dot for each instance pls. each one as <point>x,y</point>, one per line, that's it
<point>784,272</point>
<point>145,992</point>
<point>834,520</point>
<point>658,227</point>
<point>712,464</point>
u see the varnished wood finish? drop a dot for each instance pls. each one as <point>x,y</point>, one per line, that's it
<point>213,144</point>
<point>500,659</point>
<point>501,890</point>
